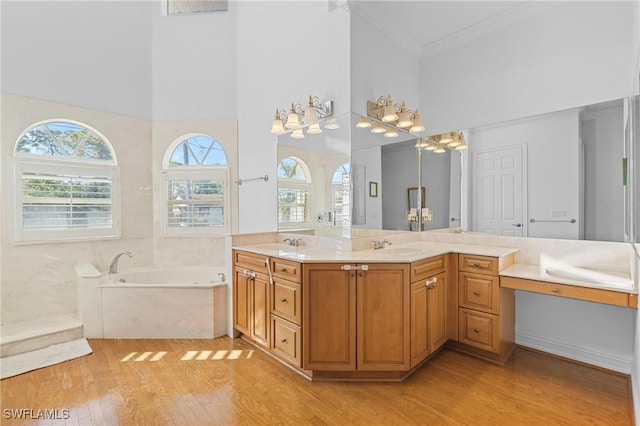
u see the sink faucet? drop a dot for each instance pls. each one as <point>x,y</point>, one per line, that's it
<point>293,241</point>
<point>113,268</point>
<point>380,244</point>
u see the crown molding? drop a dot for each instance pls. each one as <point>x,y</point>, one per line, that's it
<point>486,26</point>
<point>390,30</point>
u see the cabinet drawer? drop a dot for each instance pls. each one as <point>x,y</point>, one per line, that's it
<point>478,329</point>
<point>252,261</point>
<point>478,264</point>
<point>287,300</point>
<point>287,341</point>
<point>286,269</point>
<point>427,268</point>
<point>480,292</point>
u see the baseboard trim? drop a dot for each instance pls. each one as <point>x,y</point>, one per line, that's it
<point>606,361</point>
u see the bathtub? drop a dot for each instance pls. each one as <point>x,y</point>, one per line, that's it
<point>156,303</point>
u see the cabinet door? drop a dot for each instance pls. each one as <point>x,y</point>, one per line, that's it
<point>419,323</point>
<point>383,295</point>
<point>329,318</point>
<point>261,310</point>
<point>241,301</point>
<point>437,312</point>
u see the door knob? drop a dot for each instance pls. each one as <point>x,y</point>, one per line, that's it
<point>517,225</point>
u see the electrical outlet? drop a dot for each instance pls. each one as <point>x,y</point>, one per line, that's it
<point>558,213</point>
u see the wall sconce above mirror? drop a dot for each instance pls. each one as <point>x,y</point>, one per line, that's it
<point>299,117</point>
<point>393,115</point>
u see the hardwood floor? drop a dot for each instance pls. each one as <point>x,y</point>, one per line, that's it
<point>227,382</point>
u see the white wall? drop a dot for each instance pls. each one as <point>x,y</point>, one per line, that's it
<point>286,51</point>
<point>95,54</point>
<point>552,149</point>
<point>560,56</point>
<point>194,65</point>
<point>379,67</point>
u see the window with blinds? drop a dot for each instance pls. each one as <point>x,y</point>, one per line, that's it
<point>66,184</point>
<point>196,180</point>
<point>294,194</point>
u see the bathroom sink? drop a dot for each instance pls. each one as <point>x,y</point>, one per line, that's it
<point>276,246</point>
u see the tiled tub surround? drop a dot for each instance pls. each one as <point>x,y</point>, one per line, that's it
<point>153,303</point>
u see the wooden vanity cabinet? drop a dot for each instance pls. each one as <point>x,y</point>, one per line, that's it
<point>252,297</point>
<point>356,317</point>
<point>486,312</point>
<point>286,310</point>
<point>429,292</point>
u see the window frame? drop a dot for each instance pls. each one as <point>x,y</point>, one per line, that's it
<point>39,163</point>
<point>193,172</point>
<point>296,185</point>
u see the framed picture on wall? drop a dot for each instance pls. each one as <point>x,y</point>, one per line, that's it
<point>373,189</point>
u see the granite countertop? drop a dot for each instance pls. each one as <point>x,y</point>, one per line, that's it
<point>405,252</point>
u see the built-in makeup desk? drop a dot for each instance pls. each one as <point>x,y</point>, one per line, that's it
<point>611,288</point>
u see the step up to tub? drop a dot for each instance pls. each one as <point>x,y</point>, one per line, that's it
<point>33,335</point>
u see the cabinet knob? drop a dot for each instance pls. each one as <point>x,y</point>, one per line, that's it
<point>477,330</point>
<point>477,293</point>
<point>555,290</point>
<point>283,300</point>
<point>283,341</point>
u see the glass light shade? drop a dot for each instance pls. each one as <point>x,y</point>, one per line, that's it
<point>310,115</point>
<point>363,123</point>
<point>417,124</point>
<point>445,138</point>
<point>297,134</point>
<point>430,147</point>
<point>292,121</point>
<point>389,114</point>
<point>439,150</point>
<point>421,143</point>
<point>390,133</point>
<point>378,128</point>
<point>276,127</point>
<point>461,147</point>
<point>314,129</point>
<point>404,120</point>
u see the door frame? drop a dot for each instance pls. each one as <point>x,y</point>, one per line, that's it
<point>525,184</point>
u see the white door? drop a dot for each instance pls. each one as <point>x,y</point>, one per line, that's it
<point>498,191</point>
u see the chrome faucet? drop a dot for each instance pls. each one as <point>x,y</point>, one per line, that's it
<point>113,268</point>
<point>293,241</point>
<point>380,244</point>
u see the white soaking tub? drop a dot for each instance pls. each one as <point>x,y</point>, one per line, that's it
<point>164,303</point>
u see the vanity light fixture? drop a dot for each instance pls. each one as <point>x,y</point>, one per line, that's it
<point>390,132</point>
<point>299,117</point>
<point>446,138</point>
<point>417,126</point>
<point>363,123</point>
<point>397,115</point>
<point>378,128</point>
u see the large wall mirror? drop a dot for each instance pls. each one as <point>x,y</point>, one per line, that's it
<point>555,175</point>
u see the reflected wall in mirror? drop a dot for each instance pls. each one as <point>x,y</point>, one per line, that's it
<point>556,175</point>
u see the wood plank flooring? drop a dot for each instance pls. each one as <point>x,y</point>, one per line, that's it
<point>227,382</point>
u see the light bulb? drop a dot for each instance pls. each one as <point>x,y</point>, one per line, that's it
<point>389,112</point>
<point>377,128</point>
<point>390,133</point>
<point>292,119</point>
<point>363,123</point>
<point>404,120</point>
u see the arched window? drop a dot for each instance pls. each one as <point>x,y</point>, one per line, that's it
<point>66,183</point>
<point>340,190</point>
<point>294,194</point>
<point>196,187</point>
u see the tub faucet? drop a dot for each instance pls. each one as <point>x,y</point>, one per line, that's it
<point>113,268</point>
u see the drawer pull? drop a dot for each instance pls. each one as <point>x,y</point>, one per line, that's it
<point>477,330</point>
<point>555,290</point>
<point>284,270</point>
<point>477,265</point>
<point>283,300</point>
<point>477,293</point>
<point>283,341</point>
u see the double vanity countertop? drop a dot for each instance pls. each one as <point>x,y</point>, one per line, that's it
<point>419,250</point>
